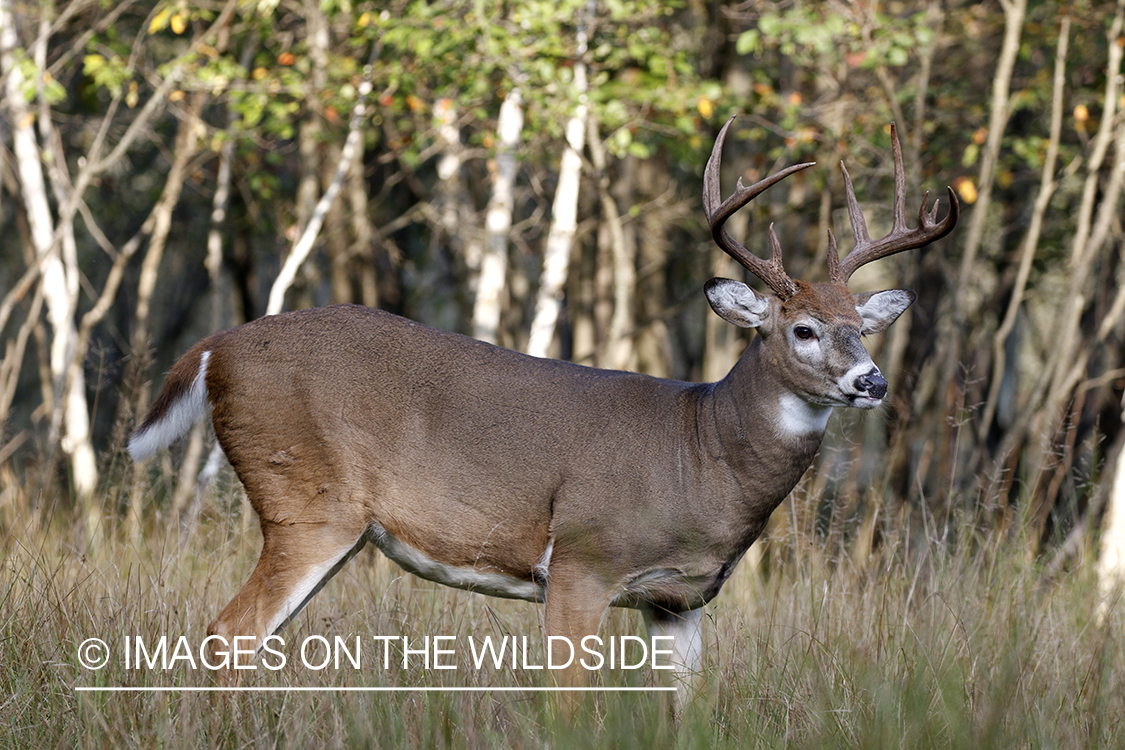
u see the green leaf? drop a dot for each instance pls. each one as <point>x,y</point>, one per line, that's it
<point>640,150</point>
<point>747,42</point>
<point>969,158</point>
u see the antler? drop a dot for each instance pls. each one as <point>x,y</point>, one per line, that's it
<point>899,238</point>
<point>771,271</point>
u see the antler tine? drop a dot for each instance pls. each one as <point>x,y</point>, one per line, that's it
<point>899,223</point>
<point>899,238</point>
<point>771,272</point>
<point>833,256</point>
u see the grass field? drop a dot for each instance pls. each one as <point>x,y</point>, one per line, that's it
<point>922,645</point>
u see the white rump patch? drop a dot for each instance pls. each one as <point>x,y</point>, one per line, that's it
<point>490,583</point>
<point>799,417</point>
<point>177,420</point>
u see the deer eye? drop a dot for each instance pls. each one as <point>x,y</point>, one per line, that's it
<point>803,332</point>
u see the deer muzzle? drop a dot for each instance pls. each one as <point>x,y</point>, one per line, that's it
<point>872,384</point>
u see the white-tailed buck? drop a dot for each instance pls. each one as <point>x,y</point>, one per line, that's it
<point>489,470</point>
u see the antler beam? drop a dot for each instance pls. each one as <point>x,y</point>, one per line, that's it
<point>771,272</point>
<point>899,238</point>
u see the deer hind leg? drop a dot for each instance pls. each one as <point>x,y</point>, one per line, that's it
<point>297,559</point>
<point>685,629</point>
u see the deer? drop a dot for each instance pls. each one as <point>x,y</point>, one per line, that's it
<point>485,469</point>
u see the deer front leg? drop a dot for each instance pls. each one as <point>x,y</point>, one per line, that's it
<point>686,630</point>
<point>576,604</point>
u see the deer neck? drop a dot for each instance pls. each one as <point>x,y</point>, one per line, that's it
<point>768,433</point>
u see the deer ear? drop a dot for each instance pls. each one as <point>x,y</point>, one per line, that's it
<point>736,303</point>
<point>879,309</point>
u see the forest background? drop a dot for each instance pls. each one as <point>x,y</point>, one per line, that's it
<point>529,173</point>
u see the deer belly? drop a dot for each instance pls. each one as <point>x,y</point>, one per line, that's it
<point>492,583</point>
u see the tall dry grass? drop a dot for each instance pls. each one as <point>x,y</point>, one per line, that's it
<point>935,640</point>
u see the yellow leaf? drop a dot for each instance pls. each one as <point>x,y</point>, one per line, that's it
<point>179,25</point>
<point>705,107</point>
<point>1081,113</point>
<point>159,21</point>
<point>132,97</point>
<point>259,73</point>
<point>966,188</point>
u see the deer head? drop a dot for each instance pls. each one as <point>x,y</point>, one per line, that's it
<point>811,332</point>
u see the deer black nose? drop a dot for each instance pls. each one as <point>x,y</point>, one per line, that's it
<point>873,384</point>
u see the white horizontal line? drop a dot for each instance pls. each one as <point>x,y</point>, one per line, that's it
<point>329,689</point>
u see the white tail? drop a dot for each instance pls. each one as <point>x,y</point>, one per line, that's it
<point>488,470</point>
<point>183,402</point>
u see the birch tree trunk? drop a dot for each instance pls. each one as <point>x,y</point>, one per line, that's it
<point>186,141</point>
<point>498,222</point>
<point>619,350</point>
<point>457,215</point>
<point>1047,187</point>
<point>564,218</point>
<point>1096,213</point>
<point>304,244</point>
<point>60,279</point>
<point>1111,559</point>
<point>188,496</point>
<point>1014,12</point>
<point>309,138</point>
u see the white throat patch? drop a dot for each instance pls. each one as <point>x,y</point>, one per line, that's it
<point>798,417</point>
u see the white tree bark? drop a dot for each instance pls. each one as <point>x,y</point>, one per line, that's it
<point>498,222</point>
<point>457,215</point>
<point>60,280</point>
<point>620,352</point>
<point>1111,559</point>
<point>304,244</point>
<point>564,219</point>
<point>1068,361</point>
<point>1047,186</point>
<point>1014,13</point>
